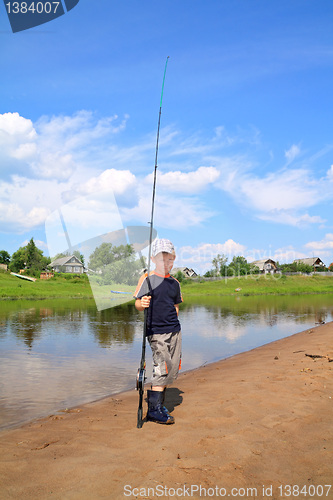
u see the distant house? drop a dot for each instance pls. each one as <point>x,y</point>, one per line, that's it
<point>4,267</point>
<point>69,264</point>
<point>311,261</point>
<point>266,266</point>
<point>187,272</point>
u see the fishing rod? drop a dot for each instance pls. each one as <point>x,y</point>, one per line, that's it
<point>141,376</point>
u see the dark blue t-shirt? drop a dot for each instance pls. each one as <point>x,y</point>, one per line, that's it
<point>165,293</point>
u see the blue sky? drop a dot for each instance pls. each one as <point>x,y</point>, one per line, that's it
<point>246,144</point>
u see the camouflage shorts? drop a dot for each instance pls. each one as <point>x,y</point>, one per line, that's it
<point>167,352</point>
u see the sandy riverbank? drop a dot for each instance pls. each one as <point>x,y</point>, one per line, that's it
<point>261,418</point>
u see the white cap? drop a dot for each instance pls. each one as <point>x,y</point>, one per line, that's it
<point>162,245</point>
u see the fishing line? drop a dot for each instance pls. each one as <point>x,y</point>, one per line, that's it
<point>155,169</point>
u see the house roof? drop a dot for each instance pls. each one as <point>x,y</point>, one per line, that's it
<point>261,263</point>
<point>183,270</point>
<point>311,261</point>
<point>62,261</point>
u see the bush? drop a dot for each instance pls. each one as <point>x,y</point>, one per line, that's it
<point>179,276</point>
<point>321,269</point>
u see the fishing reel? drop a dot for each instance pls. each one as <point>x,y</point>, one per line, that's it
<point>141,378</point>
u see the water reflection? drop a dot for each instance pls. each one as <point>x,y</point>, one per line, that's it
<point>59,354</point>
<point>116,325</point>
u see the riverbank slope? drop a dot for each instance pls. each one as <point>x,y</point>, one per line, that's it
<point>259,421</point>
<point>78,286</point>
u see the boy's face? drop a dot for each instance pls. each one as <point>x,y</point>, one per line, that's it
<point>163,262</point>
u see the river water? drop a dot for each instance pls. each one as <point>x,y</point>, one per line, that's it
<point>59,354</point>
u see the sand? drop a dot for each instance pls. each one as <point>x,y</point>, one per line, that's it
<point>250,426</point>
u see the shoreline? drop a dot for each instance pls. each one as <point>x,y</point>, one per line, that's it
<point>251,285</point>
<point>194,295</point>
<point>261,417</point>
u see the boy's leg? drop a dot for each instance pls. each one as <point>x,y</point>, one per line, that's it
<point>175,350</point>
<point>166,350</point>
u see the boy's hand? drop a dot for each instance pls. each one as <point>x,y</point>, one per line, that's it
<point>145,301</point>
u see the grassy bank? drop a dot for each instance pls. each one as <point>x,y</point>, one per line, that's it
<point>72,286</point>
<point>261,285</point>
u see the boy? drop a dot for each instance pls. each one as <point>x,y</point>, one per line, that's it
<point>163,327</point>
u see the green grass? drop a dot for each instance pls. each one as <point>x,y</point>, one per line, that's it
<point>77,286</point>
<point>71,286</point>
<point>263,285</point>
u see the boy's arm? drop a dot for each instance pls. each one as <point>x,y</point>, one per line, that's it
<point>143,303</point>
<point>178,299</point>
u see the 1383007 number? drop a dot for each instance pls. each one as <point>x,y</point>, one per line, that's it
<point>32,7</point>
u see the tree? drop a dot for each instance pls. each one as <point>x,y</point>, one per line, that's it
<point>208,274</point>
<point>330,267</point>
<point>296,267</point>
<point>254,269</point>
<point>30,258</point>
<point>107,253</point>
<point>79,255</point>
<point>122,272</point>
<point>220,264</point>
<point>116,264</point>
<point>4,257</point>
<point>180,276</point>
<point>304,268</point>
<point>33,255</point>
<point>239,266</point>
<point>18,260</point>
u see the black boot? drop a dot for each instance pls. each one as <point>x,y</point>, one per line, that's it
<point>156,411</point>
<point>163,399</point>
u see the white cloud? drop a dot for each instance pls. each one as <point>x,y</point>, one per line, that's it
<point>74,131</point>
<point>189,182</point>
<point>111,180</point>
<point>170,211</point>
<point>39,244</point>
<point>17,140</point>
<point>286,190</point>
<point>58,158</point>
<point>281,197</point>
<point>25,151</point>
<point>201,256</point>
<point>330,174</point>
<point>14,125</point>
<point>66,143</point>
<point>292,153</point>
<point>54,165</point>
<point>196,145</point>
<point>287,255</point>
<point>325,244</point>
<point>291,219</point>
<point>13,214</point>
<point>44,161</point>
<point>82,219</point>
<point>25,203</point>
<point>53,147</point>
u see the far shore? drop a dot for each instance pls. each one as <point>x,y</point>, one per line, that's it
<point>78,287</point>
<point>258,423</point>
